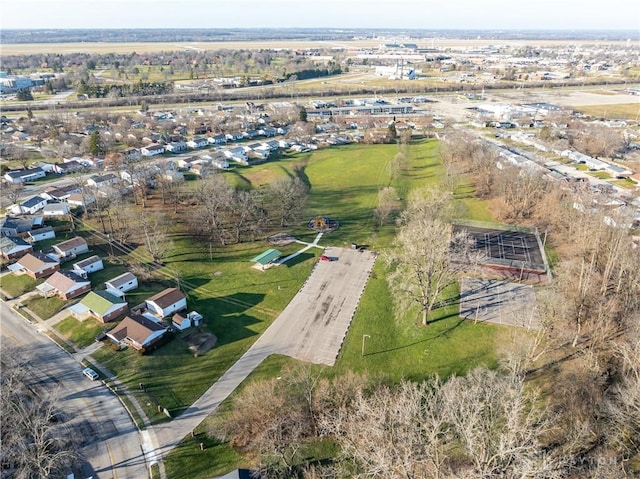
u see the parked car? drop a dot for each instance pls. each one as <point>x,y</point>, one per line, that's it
<point>324,258</point>
<point>90,373</point>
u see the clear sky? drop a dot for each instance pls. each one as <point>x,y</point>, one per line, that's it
<point>427,14</point>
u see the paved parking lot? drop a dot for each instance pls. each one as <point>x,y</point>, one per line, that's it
<point>500,302</point>
<point>313,326</point>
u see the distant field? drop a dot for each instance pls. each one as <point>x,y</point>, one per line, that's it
<point>630,111</point>
<point>40,48</point>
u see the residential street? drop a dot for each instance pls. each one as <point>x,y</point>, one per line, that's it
<point>111,442</point>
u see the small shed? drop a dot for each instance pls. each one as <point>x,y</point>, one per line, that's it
<point>266,259</point>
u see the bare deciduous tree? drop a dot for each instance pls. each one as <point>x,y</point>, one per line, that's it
<point>35,442</point>
<point>388,203</point>
<point>155,232</point>
<point>421,262</point>
<point>288,197</point>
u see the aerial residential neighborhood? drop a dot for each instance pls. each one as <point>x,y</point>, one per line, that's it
<point>386,240</point>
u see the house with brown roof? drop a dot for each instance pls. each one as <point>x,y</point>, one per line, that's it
<point>65,285</point>
<point>167,302</point>
<point>71,248</point>
<point>35,265</point>
<point>12,247</point>
<point>137,331</point>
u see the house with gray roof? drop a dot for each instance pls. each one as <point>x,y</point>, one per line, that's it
<point>12,247</point>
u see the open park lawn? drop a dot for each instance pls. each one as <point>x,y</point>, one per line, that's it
<point>240,302</point>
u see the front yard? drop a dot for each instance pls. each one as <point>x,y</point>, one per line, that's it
<point>16,285</point>
<point>80,333</point>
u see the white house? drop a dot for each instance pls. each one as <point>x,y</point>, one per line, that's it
<point>56,209</point>
<point>217,139</point>
<point>176,146</point>
<point>71,247</point>
<point>121,284</point>
<point>68,167</point>
<point>88,265</point>
<point>197,142</point>
<point>167,302</point>
<point>171,175</point>
<point>22,176</point>
<point>29,206</point>
<point>152,150</point>
<point>41,234</point>
<point>236,154</point>
<point>77,199</point>
<point>99,181</point>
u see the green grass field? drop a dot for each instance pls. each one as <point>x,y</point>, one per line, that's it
<point>629,111</point>
<point>80,333</point>
<point>44,308</point>
<point>239,302</point>
<point>16,285</point>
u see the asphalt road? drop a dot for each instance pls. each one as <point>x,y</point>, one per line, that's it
<point>111,444</point>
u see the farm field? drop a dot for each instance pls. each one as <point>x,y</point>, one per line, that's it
<point>628,111</point>
<point>147,47</point>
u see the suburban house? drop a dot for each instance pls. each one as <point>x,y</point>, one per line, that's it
<point>121,284</point>
<point>55,209</point>
<point>60,194</point>
<point>41,234</point>
<point>176,146</point>
<point>71,247</point>
<point>171,175</point>
<point>197,142</point>
<point>36,265</point>
<point>132,154</point>
<point>68,167</point>
<point>220,161</point>
<point>100,305</point>
<point>23,176</point>
<point>98,181</point>
<point>167,302</point>
<point>88,265</point>
<point>201,169</point>
<point>187,162</point>
<point>234,136</point>
<point>236,153</point>
<point>12,247</point>
<point>12,226</point>
<point>77,199</point>
<point>181,322</point>
<point>137,331</point>
<point>29,206</point>
<point>152,150</point>
<point>217,139</point>
<point>65,285</point>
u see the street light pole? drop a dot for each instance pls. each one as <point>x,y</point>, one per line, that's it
<point>363,337</point>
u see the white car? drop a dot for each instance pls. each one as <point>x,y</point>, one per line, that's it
<point>90,373</point>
